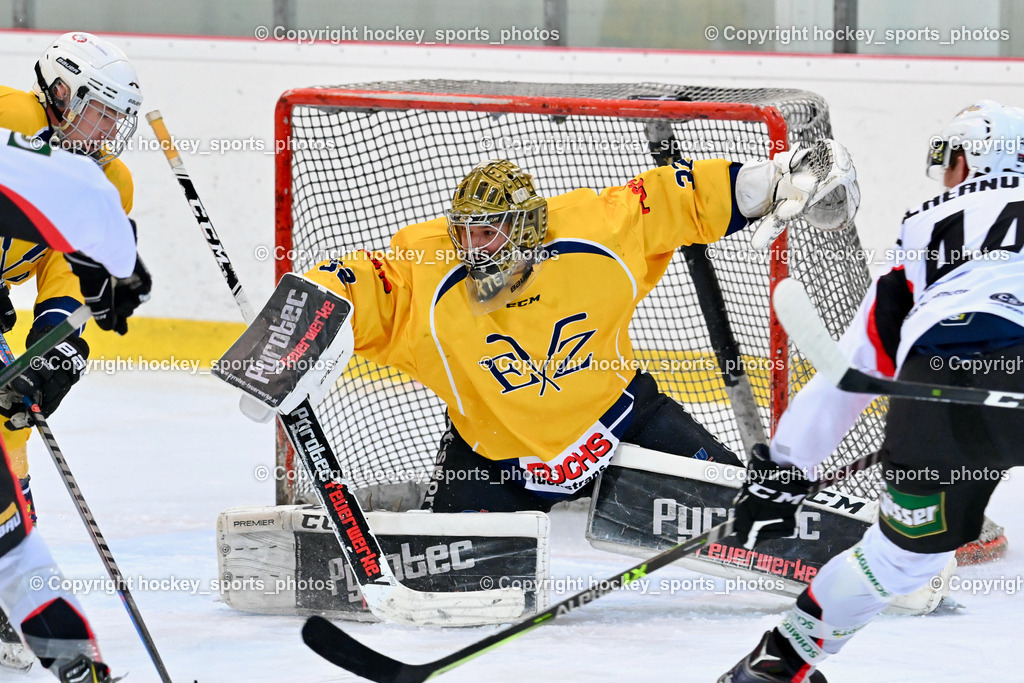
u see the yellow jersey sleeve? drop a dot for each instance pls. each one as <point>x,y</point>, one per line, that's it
<point>689,202</point>
<point>21,112</point>
<point>121,178</point>
<point>379,285</point>
<point>55,280</point>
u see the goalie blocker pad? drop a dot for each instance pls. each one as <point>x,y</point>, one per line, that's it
<point>295,349</point>
<point>286,559</point>
<point>646,501</point>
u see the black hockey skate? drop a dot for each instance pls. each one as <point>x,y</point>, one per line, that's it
<point>772,661</point>
<point>84,670</point>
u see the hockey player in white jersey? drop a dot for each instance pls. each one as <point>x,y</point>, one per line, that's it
<point>950,311</point>
<point>86,218</point>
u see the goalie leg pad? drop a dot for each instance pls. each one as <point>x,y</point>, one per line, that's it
<point>294,350</point>
<point>285,560</point>
<point>648,501</point>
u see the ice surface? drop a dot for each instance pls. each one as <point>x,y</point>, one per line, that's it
<point>159,454</point>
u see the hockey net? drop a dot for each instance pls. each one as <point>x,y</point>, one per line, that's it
<point>356,163</point>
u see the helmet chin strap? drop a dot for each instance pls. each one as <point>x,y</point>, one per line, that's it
<point>51,101</point>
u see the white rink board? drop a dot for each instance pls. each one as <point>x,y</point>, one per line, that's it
<point>211,90</point>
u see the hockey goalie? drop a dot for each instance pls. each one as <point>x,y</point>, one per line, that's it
<point>514,309</point>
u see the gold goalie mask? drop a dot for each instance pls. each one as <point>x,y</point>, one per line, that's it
<point>497,223</point>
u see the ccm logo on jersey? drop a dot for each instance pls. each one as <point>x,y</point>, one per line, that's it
<point>522,302</point>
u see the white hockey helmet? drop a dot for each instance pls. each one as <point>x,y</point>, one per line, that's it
<point>92,90</point>
<point>991,136</point>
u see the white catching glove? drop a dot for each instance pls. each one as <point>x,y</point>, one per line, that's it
<point>817,183</point>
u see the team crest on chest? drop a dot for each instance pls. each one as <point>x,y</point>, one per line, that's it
<point>515,369</point>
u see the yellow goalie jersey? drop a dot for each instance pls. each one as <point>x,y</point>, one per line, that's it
<point>58,291</point>
<point>541,384</point>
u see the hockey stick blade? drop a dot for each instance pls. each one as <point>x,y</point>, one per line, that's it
<point>801,321</point>
<point>385,596</point>
<point>403,605</point>
<point>341,649</point>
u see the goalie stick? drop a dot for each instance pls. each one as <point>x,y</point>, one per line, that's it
<point>341,649</point>
<point>384,595</point>
<point>798,315</point>
<point>665,151</point>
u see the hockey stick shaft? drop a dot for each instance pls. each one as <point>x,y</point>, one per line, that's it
<point>97,539</point>
<point>730,362</point>
<point>95,535</point>
<point>801,320</point>
<point>381,590</point>
<point>666,150</point>
<point>339,648</point>
<point>220,255</point>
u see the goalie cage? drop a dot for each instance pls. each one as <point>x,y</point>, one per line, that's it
<point>356,163</point>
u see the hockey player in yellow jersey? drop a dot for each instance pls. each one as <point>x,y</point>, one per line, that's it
<point>85,99</point>
<point>86,218</point>
<point>514,309</point>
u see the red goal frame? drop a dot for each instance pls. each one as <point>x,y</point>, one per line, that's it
<point>769,116</point>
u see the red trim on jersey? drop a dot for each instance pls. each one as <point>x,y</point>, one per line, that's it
<point>85,622</point>
<point>52,236</point>
<point>883,363</point>
<point>18,494</point>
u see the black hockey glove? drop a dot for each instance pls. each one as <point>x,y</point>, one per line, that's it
<point>7,314</point>
<point>111,299</point>
<point>47,381</point>
<point>767,504</point>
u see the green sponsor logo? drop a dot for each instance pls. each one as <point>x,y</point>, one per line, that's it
<point>810,650</point>
<point>28,144</point>
<point>913,516</point>
<point>862,563</point>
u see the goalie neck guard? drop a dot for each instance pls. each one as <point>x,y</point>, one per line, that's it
<point>497,222</point>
